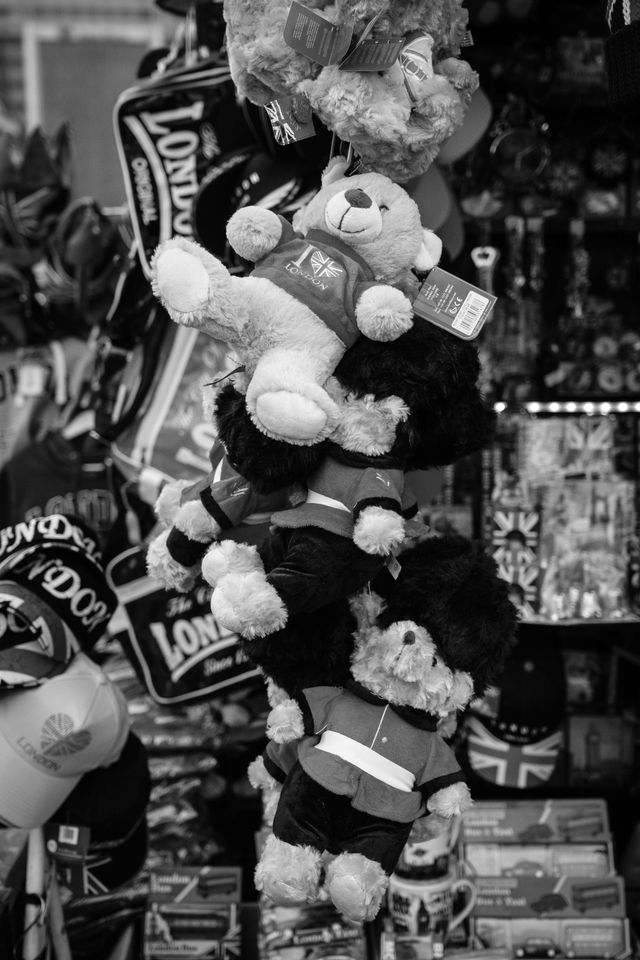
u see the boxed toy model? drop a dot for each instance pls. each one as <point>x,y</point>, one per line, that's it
<point>598,939</point>
<point>530,896</point>
<point>538,860</point>
<point>536,821</point>
<point>193,911</point>
<point>309,931</point>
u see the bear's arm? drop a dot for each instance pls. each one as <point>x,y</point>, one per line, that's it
<point>441,769</point>
<point>316,704</point>
<point>379,488</point>
<point>229,501</point>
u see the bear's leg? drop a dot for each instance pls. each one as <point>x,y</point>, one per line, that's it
<point>247,604</point>
<point>291,863</point>
<point>356,885</point>
<point>226,557</point>
<point>287,873</point>
<point>357,879</point>
<point>286,399</point>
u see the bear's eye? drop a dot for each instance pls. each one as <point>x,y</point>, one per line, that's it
<point>382,207</point>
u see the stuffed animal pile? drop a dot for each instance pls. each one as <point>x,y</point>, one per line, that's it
<point>395,118</point>
<point>308,531</point>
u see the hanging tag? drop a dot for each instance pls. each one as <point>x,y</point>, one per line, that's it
<point>291,119</point>
<point>394,567</point>
<point>416,63</point>
<point>453,304</point>
<point>32,380</point>
<point>67,843</point>
<point>373,54</point>
<point>316,38</point>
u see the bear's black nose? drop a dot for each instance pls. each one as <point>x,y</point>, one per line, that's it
<point>358,198</point>
<point>409,637</point>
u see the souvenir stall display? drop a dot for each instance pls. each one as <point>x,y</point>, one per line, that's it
<point>320,473</point>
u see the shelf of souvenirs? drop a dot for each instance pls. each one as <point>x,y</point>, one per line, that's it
<point>555,225</point>
<point>601,408</point>
<point>537,620</point>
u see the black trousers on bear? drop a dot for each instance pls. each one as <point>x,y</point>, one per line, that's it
<point>309,814</point>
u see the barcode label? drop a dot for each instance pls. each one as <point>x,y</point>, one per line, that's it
<point>470,313</point>
<point>68,835</point>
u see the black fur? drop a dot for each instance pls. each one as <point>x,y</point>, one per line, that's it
<point>450,586</point>
<point>436,375</point>
<point>268,464</point>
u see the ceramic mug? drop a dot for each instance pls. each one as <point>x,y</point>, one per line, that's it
<point>426,906</point>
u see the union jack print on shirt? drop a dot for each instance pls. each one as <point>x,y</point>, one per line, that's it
<point>510,764</point>
<point>323,266</point>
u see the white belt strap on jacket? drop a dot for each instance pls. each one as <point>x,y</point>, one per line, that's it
<point>366,760</point>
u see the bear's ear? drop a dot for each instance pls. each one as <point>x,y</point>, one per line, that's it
<point>366,607</point>
<point>334,170</point>
<point>429,253</point>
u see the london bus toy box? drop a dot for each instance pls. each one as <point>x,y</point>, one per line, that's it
<point>597,939</point>
<point>549,896</point>
<point>536,821</point>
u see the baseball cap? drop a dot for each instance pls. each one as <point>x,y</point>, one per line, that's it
<point>34,642</point>
<point>110,801</point>
<point>514,737</point>
<point>53,734</point>
<point>56,560</point>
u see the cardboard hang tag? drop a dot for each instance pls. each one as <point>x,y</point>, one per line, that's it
<point>371,54</point>
<point>67,843</point>
<point>453,304</point>
<point>291,120</point>
<point>315,37</point>
<point>309,33</point>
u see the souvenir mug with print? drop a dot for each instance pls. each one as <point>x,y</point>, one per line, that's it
<point>426,906</point>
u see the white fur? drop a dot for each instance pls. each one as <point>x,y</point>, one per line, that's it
<point>378,531</point>
<point>356,885</point>
<point>354,224</point>
<point>285,722</point>
<point>195,522</point>
<point>450,801</point>
<point>253,232</point>
<point>430,252</point>
<point>168,502</point>
<point>275,694</point>
<point>247,604</point>
<point>367,425</point>
<point>196,289</point>
<point>384,313</point>
<point>162,567</point>
<point>288,873</point>
<point>261,779</point>
<point>227,556</point>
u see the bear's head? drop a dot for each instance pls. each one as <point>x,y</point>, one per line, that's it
<point>375,217</point>
<point>435,375</point>
<point>438,633</point>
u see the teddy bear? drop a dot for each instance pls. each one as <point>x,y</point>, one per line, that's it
<point>315,286</point>
<point>226,503</point>
<point>252,476</point>
<point>357,504</point>
<point>369,760</point>
<point>395,118</point>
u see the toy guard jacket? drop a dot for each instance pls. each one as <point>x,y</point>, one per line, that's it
<point>322,272</point>
<point>389,759</point>
<point>241,512</point>
<point>339,490</point>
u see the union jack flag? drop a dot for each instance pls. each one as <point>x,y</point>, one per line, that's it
<point>323,266</point>
<point>282,130</point>
<point>510,764</point>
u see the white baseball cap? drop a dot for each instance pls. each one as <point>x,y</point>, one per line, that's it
<point>53,734</point>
